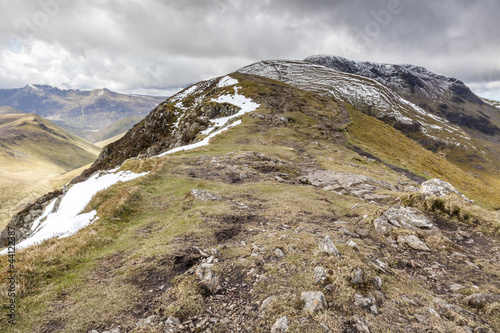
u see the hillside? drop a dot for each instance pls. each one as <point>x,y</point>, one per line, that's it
<point>79,109</point>
<point>32,151</point>
<point>249,203</point>
<point>118,127</point>
<point>9,110</point>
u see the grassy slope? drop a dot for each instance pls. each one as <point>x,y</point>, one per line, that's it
<point>122,267</point>
<point>391,146</point>
<point>32,151</point>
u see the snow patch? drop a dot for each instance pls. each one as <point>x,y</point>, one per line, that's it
<point>226,81</point>
<point>67,220</point>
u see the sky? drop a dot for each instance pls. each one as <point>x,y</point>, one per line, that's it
<point>156,46</point>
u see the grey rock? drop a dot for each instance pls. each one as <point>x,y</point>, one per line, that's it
<point>280,326</point>
<point>401,217</point>
<point>208,279</point>
<point>319,274</point>
<point>149,321</point>
<point>481,300</point>
<point>279,253</point>
<point>353,245</point>
<point>377,282</point>
<point>93,331</point>
<point>413,241</point>
<point>327,246</point>
<point>439,188</point>
<point>204,195</point>
<point>456,287</point>
<point>172,325</point>
<point>363,302</point>
<point>313,301</point>
<point>357,278</point>
<point>360,325</point>
<point>267,302</point>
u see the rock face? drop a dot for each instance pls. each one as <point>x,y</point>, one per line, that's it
<point>401,217</point>
<point>439,188</point>
<point>313,301</point>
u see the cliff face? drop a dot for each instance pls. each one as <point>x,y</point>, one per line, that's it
<point>287,196</point>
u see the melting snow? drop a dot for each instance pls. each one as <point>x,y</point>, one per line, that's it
<point>245,104</point>
<point>226,81</point>
<point>67,220</point>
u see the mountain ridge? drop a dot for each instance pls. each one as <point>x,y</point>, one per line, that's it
<point>274,198</point>
<point>82,109</point>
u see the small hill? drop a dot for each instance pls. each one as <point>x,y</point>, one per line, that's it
<point>80,109</point>
<point>118,127</point>
<point>32,151</point>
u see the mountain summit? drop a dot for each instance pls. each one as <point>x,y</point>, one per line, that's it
<point>286,196</point>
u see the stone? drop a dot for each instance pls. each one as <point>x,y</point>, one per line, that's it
<point>280,326</point>
<point>357,278</point>
<point>363,302</point>
<point>208,279</point>
<point>456,287</point>
<point>353,245</point>
<point>313,301</point>
<point>319,274</point>
<point>360,325</point>
<point>172,325</point>
<point>149,321</point>
<point>279,253</point>
<point>413,241</point>
<point>327,246</point>
<point>114,330</point>
<point>204,195</point>
<point>267,302</point>
<point>401,217</point>
<point>439,188</point>
<point>377,282</point>
<point>481,300</point>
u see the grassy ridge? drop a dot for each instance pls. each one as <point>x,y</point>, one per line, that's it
<point>32,152</point>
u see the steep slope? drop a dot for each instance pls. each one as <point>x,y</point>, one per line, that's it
<point>118,127</point>
<point>443,96</point>
<point>251,210</point>
<point>32,151</point>
<point>93,109</point>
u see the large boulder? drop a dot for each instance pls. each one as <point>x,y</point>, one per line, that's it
<point>314,301</point>
<point>439,188</point>
<point>401,217</point>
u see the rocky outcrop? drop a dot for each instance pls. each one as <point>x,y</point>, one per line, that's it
<point>402,217</point>
<point>439,188</point>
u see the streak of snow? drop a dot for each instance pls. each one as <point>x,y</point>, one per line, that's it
<point>183,94</point>
<point>226,81</point>
<point>245,104</point>
<point>68,219</point>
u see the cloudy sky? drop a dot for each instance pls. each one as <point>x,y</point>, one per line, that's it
<point>154,46</point>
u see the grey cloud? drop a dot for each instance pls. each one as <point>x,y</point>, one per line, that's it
<point>160,43</point>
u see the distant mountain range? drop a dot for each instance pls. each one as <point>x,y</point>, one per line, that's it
<point>77,109</point>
